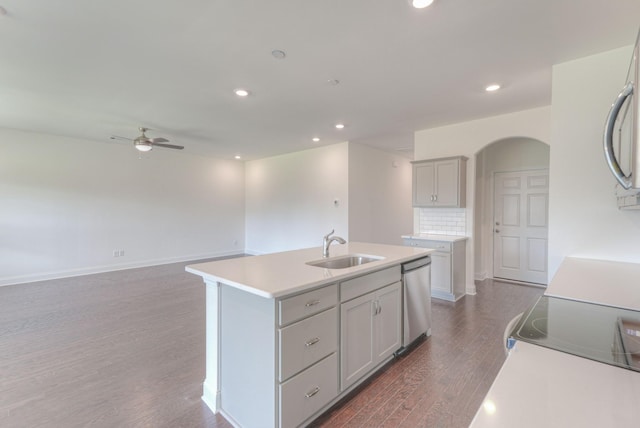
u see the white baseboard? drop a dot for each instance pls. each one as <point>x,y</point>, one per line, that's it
<point>254,252</point>
<point>210,397</point>
<point>471,289</point>
<point>22,279</point>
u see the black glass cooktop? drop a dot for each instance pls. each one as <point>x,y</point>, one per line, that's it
<point>602,333</point>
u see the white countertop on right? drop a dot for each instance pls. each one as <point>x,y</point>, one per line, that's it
<point>542,387</point>
<point>597,281</point>
<point>539,387</point>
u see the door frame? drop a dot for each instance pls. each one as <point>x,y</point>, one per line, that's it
<point>489,229</point>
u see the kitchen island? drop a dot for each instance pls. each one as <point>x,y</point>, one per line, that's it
<point>287,339</point>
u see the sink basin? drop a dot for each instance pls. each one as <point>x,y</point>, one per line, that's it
<point>343,262</point>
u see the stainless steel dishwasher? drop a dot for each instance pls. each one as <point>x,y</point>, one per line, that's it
<point>416,280</point>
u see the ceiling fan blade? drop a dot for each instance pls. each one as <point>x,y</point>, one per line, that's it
<point>168,146</point>
<point>159,140</point>
<point>117,137</point>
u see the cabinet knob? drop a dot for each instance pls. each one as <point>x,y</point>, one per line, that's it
<point>497,223</point>
<point>497,231</point>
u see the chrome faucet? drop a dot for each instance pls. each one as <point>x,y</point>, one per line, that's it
<point>327,240</point>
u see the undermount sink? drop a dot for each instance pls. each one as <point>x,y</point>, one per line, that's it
<point>343,262</point>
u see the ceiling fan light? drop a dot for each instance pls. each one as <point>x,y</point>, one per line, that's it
<point>420,4</point>
<point>143,146</point>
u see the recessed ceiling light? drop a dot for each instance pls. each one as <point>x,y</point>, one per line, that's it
<point>339,125</point>
<point>493,87</point>
<point>241,92</point>
<point>278,54</point>
<point>237,157</point>
<point>315,139</point>
<point>421,4</point>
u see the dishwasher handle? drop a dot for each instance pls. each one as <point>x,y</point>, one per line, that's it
<point>416,264</point>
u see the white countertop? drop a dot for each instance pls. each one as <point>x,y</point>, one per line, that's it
<point>598,281</point>
<point>279,274</point>
<point>436,237</point>
<point>541,387</point>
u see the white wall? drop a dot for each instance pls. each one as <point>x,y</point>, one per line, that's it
<point>66,204</point>
<point>290,199</point>
<point>379,196</point>
<point>584,219</point>
<point>467,139</point>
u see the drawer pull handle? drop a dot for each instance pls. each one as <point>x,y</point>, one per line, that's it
<point>312,342</point>
<point>313,392</point>
<point>312,303</point>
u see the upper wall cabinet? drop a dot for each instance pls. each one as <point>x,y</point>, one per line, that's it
<point>440,182</point>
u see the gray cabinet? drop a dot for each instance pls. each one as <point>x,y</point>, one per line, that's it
<point>282,361</point>
<point>370,332</point>
<point>440,182</point>
<point>448,267</point>
<point>370,323</point>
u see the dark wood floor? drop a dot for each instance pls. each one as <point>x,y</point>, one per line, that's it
<point>126,349</point>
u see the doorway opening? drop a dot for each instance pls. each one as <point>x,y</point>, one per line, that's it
<point>511,211</point>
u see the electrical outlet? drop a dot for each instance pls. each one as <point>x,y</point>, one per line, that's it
<point>115,253</point>
<point>121,253</point>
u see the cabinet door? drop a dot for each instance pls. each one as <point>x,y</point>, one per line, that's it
<point>388,321</point>
<point>446,183</point>
<point>441,271</point>
<point>357,338</point>
<point>423,184</point>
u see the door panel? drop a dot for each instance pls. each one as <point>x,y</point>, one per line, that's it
<point>510,252</point>
<point>388,321</point>
<point>423,184</point>
<point>537,213</point>
<point>446,186</point>
<point>511,210</point>
<point>520,227</point>
<point>357,339</point>
<point>537,251</point>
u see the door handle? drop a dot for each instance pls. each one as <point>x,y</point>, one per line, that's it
<point>612,162</point>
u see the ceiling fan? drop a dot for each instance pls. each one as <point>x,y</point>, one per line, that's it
<point>145,144</point>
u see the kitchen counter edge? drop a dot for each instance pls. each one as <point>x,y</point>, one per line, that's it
<point>264,275</point>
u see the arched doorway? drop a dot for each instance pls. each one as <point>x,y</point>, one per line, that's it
<point>520,165</point>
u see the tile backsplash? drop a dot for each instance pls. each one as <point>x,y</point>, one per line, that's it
<point>443,221</point>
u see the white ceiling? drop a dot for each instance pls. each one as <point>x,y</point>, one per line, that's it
<point>90,69</point>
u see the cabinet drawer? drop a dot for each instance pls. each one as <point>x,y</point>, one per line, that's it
<point>307,341</point>
<point>364,284</point>
<point>303,305</point>
<point>443,246</point>
<point>304,394</point>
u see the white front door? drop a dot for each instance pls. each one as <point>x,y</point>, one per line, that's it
<point>520,225</point>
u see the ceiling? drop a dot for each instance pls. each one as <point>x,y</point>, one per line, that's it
<point>92,69</point>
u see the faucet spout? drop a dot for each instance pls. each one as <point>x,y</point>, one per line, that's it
<point>327,240</point>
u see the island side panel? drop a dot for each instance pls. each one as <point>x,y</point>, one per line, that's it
<point>211,385</point>
<point>247,358</point>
